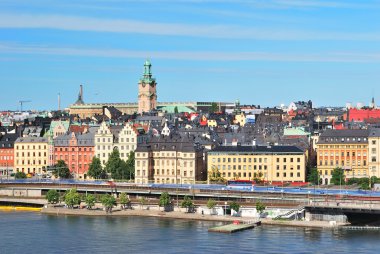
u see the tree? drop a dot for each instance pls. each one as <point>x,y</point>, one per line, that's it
<point>365,186</point>
<point>108,202</point>
<point>143,202</point>
<point>314,176</point>
<point>260,207</point>
<point>187,202</point>
<point>165,200</point>
<point>90,201</point>
<point>234,206</point>
<point>95,169</point>
<point>175,110</point>
<point>72,198</point>
<point>124,200</point>
<point>61,170</point>
<point>20,175</point>
<point>337,176</point>
<point>211,203</point>
<point>116,166</point>
<point>214,107</point>
<point>52,196</point>
<point>215,176</point>
<point>257,177</point>
<point>131,166</point>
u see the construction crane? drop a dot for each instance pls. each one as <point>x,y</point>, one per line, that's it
<point>21,103</point>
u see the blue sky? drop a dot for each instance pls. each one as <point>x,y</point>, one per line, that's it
<point>263,52</point>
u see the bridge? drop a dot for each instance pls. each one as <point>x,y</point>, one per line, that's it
<point>358,212</point>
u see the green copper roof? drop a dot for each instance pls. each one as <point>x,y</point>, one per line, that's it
<point>295,132</point>
<point>181,109</point>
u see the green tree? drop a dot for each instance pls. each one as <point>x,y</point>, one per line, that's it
<point>108,202</point>
<point>215,176</point>
<point>72,198</point>
<point>142,202</point>
<point>314,176</point>
<point>116,166</point>
<point>90,201</point>
<point>214,107</point>
<point>124,200</point>
<point>131,166</point>
<point>234,206</point>
<point>52,196</point>
<point>95,169</point>
<point>337,176</point>
<point>187,203</point>
<point>260,207</point>
<point>165,200</point>
<point>61,170</point>
<point>175,110</point>
<point>20,175</point>
<point>211,203</point>
<point>365,186</point>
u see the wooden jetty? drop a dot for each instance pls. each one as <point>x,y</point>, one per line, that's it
<point>235,227</point>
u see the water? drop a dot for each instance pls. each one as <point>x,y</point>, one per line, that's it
<point>38,233</point>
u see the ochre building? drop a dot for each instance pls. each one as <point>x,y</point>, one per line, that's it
<point>270,163</point>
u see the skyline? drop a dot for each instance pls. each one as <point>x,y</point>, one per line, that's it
<point>201,50</point>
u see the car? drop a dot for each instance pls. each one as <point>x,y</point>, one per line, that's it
<point>29,175</point>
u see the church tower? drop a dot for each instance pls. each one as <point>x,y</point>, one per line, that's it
<point>147,97</point>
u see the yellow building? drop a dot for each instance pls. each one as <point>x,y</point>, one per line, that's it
<point>270,163</point>
<point>240,119</point>
<point>212,123</point>
<point>31,154</point>
<point>168,159</point>
<point>374,152</point>
<point>346,149</point>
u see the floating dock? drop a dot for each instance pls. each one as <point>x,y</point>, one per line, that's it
<point>235,227</point>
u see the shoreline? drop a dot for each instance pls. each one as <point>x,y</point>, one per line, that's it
<point>60,211</point>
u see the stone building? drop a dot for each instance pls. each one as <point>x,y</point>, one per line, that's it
<point>169,159</point>
<point>345,149</point>
<point>7,152</point>
<point>77,150</point>
<point>374,152</point>
<point>270,163</point>
<point>31,155</point>
<point>122,137</point>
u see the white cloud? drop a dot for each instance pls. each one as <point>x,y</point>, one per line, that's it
<point>348,57</point>
<point>74,23</point>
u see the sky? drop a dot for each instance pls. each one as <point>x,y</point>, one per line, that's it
<point>262,52</point>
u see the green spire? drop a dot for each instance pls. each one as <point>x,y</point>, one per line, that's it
<point>147,75</point>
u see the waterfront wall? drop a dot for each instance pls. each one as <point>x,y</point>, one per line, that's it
<point>20,192</point>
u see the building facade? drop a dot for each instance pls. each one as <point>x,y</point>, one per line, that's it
<point>345,149</point>
<point>123,137</point>
<point>169,159</point>
<point>270,163</point>
<point>7,153</point>
<point>31,155</point>
<point>77,150</point>
<point>147,97</point>
<point>374,152</point>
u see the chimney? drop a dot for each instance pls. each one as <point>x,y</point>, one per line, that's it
<point>59,101</point>
<point>81,92</point>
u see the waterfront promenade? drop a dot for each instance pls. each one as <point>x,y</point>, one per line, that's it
<point>62,211</point>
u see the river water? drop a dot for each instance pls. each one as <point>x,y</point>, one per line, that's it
<point>28,232</point>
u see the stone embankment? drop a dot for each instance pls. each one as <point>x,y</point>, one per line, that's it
<point>59,210</point>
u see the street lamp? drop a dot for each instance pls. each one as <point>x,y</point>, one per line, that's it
<point>225,208</point>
